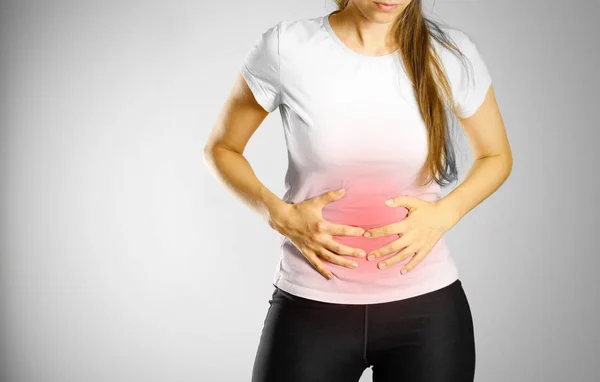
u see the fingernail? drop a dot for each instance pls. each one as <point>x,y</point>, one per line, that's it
<point>389,202</point>
<point>403,271</point>
<point>367,234</point>
<point>382,265</point>
<point>329,276</point>
<point>353,265</point>
<point>371,257</point>
<point>361,253</point>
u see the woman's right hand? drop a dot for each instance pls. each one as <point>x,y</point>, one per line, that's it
<point>302,223</point>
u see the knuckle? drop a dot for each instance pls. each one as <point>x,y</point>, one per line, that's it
<point>330,257</point>
<point>313,227</point>
<point>323,254</point>
<point>312,236</point>
<point>309,257</point>
<point>333,259</point>
<point>334,247</point>
<point>319,226</point>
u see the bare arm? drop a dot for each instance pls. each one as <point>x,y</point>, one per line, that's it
<point>301,222</point>
<point>493,158</point>
<point>223,154</point>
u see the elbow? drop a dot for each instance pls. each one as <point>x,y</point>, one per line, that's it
<point>215,148</point>
<point>508,164</point>
<point>207,154</point>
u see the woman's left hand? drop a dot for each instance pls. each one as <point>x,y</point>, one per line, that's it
<point>422,228</point>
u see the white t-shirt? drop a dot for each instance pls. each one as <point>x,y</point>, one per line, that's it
<point>351,121</point>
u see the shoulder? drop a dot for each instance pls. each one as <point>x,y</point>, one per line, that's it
<point>293,41</point>
<point>298,31</point>
<point>458,37</point>
<point>466,70</point>
<point>291,32</point>
<point>456,63</point>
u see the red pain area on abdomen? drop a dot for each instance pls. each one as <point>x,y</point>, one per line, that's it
<point>363,205</point>
<point>365,211</point>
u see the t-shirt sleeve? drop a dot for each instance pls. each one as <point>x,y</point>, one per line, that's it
<point>260,69</point>
<point>472,80</point>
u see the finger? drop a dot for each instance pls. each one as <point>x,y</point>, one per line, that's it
<point>329,196</point>
<point>342,229</point>
<point>321,199</point>
<point>386,230</point>
<point>341,249</point>
<point>399,257</point>
<point>324,227</point>
<point>409,202</point>
<point>317,263</point>
<point>413,262</point>
<point>335,259</point>
<point>394,246</point>
<point>404,254</point>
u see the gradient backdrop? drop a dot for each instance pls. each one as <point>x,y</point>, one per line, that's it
<point>123,259</point>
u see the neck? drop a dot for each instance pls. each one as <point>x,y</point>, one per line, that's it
<point>361,33</point>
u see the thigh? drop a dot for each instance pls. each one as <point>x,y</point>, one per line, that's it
<point>431,338</point>
<point>310,341</point>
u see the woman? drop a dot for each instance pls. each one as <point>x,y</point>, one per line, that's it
<point>365,277</point>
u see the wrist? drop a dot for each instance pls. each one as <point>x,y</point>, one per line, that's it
<point>450,210</point>
<point>272,205</point>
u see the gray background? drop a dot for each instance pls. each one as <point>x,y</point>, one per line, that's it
<point>123,259</point>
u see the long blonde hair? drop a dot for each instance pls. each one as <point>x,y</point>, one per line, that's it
<point>413,33</point>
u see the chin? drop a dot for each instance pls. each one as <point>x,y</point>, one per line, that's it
<point>379,14</point>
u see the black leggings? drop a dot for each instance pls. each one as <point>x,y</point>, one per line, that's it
<point>426,338</point>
